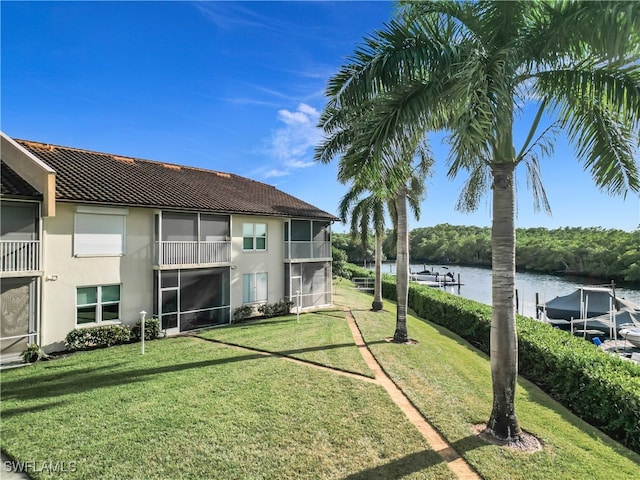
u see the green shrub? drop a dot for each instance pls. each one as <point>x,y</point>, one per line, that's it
<point>350,270</point>
<point>33,353</point>
<point>96,337</point>
<point>269,310</point>
<point>600,388</point>
<point>242,313</point>
<point>339,264</point>
<point>151,329</point>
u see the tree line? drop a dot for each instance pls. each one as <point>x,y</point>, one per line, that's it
<point>592,252</point>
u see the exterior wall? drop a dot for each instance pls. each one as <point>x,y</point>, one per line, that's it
<point>271,260</point>
<point>63,272</point>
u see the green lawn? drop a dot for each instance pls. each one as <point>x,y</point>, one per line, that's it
<point>195,409</point>
<point>450,382</point>
<point>322,338</point>
<point>191,408</point>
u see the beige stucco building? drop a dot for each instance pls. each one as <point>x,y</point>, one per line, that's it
<point>91,238</point>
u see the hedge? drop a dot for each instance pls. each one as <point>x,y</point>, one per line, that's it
<point>602,389</point>
<point>151,329</point>
<point>86,338</point>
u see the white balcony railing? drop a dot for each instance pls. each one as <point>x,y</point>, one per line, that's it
<point>192,253</point>
<point>19,255</point>
<point>297,250</point>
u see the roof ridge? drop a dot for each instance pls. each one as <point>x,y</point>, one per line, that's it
<point>115,156</point>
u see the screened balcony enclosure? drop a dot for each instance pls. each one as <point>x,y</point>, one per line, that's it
<point>307,239</point>
<point>191,239</point>
<point>19,243</point>
<point>191,299</point>
<point>309,283</point>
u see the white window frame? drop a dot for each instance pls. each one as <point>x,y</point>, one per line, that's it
<point>99,304</point>
<point>251,297</point>
<point>88,244</point>
<point>254,238</point>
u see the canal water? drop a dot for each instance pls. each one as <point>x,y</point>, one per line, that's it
<point>477,285</point>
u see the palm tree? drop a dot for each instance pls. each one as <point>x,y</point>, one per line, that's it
<point>366,212</point>
<point>396,174</point>
<point>412,193</point>
<point>470,68</point>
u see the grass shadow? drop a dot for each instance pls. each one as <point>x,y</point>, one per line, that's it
<point>11,412</point>
<point>78,381</point>
<point>292,353</point>
<point>74,383</point>
<point>399,468</point>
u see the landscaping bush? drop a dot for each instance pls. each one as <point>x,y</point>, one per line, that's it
<point>339,265</point>
<point>242,313</point>
<point>269,310</point>
<point>600,388</point>
<point>33,353</point>
<point>151,329</point>
<point>96,337</point>
<point>349,270</point>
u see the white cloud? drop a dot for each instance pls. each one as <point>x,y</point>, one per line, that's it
<point>292,144</point>
<point>274,172</point>
<point>298,164</point>
<point>293,118</point>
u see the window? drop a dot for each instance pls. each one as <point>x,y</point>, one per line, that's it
<point>254,236</point>
<point>254,287</point>
<point>98,304</point>
<point>99,231</point>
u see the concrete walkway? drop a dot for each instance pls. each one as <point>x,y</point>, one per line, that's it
<point>456,463</point>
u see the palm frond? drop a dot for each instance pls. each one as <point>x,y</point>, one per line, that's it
<point>599,105</point>
<point>474,189</point>
<point>534,183</point>
<point>577,29</point>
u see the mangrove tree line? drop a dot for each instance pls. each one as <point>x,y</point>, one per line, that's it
<point>593,252</point>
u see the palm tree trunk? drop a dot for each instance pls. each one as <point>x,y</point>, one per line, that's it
<point>377,287</point>
<point>402,267</point>
<point>504,342</point>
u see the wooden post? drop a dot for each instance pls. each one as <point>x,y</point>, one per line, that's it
<point>537,303</point>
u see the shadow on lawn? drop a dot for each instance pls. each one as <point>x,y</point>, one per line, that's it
<point>400,468</point>
<point>468,443</point>
<point>77,382</point>
<point>81,380</point>
<point>291,353</point>
<point>10,412</point>
<point>49,374</point>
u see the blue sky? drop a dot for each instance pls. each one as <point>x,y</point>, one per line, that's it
<point>229,86</point>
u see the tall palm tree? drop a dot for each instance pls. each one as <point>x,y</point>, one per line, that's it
<point>470,67</point>
<point>364,213</point>
<point>411,193</point>
<point>395,173</point>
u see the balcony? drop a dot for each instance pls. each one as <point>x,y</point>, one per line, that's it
<point>307,250</point>
<point>19,255</point>
<point>192,253</point>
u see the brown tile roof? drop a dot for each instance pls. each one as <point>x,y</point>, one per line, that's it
<point>102,178</point>
<point>12,185</point>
